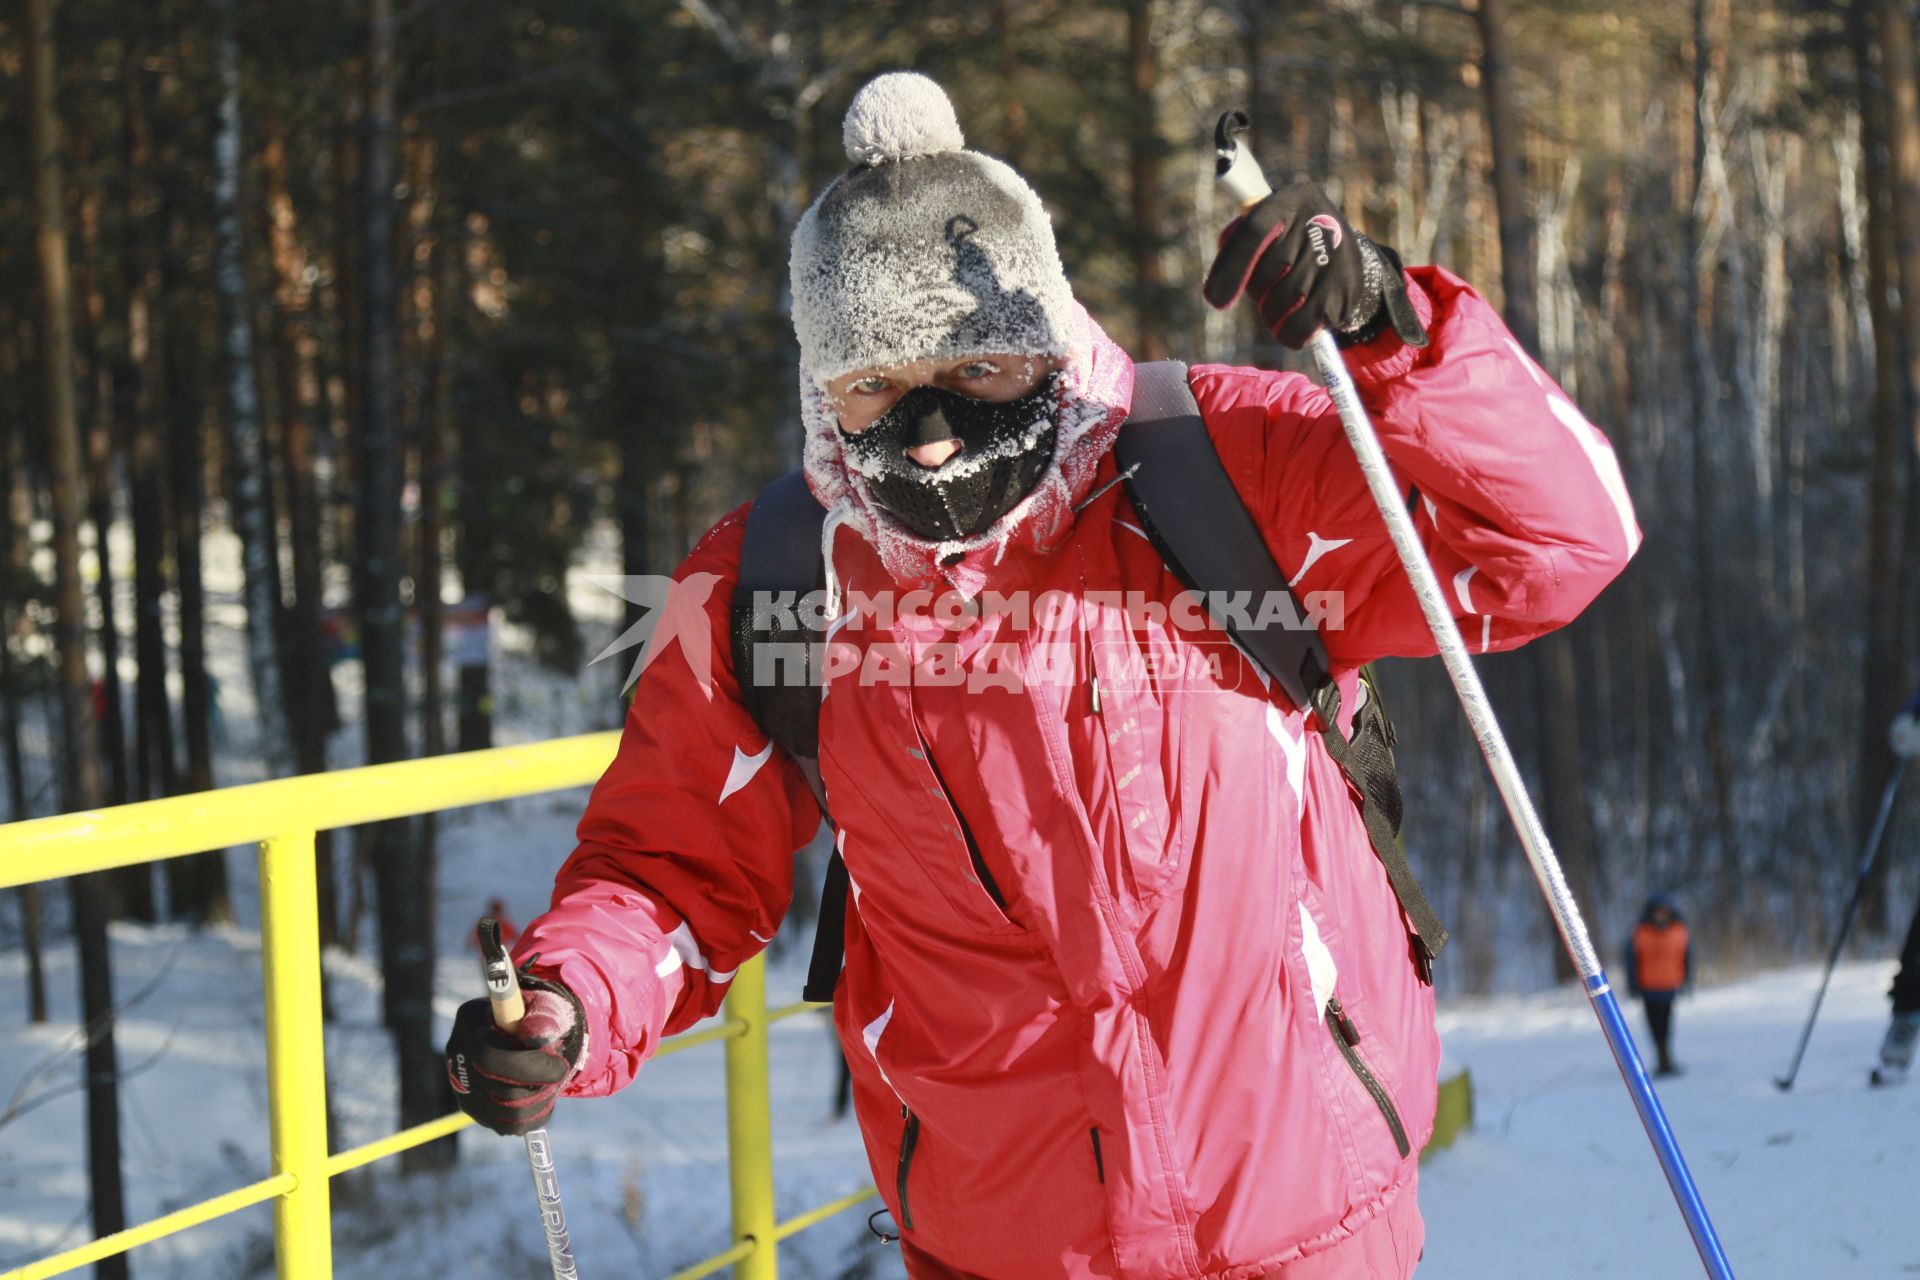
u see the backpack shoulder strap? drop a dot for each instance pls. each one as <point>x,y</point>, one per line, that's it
<point>1203,531</point>
<point>781,561</point>
<point>1196,521</point>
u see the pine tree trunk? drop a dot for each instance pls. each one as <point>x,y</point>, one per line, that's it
<point>403,875</point>
<point>1715,824</point>
<point>109,702</point>
<point>196,885</point>
<point>132,886</point>
<point>1883,685</point>
<point>311,712</point>
<point>13,569</point>
<point>251,485</point>
<point>1521,303</point>
<point>82,767</point>
<point>1145,151</point>
<point>156,771</point>
<point>1901,119</point>
<point>1569,818</point>
<point>1013,129</point>
<point>434,424</point>
<point>345,376</point>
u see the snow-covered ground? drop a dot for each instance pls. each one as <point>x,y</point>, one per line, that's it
<point>1555,1179</point>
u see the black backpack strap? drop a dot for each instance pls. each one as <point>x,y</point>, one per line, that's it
<point>829,934</point>
<point>1196,521</point>
<point>1203,531</point>
<point>781,561</point>
<point>1367,759</point>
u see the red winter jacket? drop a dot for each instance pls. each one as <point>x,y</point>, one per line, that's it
<point>1137,1067</point>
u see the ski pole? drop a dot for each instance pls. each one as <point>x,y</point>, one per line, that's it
<point>1867,859</point>
<point>1240,174</point>
<point>503,991</point>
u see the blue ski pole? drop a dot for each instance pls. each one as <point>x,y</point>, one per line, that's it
<point>1240,175</point>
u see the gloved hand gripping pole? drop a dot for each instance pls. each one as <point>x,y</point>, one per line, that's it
<point>503,994</point>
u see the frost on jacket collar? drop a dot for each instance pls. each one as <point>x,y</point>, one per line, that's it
<point>1097,390</point>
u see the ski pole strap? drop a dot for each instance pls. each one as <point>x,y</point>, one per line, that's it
<point>1367,760</point>
<point>829,934</point>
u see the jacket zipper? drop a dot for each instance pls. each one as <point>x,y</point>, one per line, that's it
<point>909,1139</point>
<point>1346,1036</point>
<point>985,877</point>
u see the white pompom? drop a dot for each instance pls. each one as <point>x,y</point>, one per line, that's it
<point>899,115</point>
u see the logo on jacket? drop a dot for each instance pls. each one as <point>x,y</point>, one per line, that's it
<point>457,1074</point>
<point>1319,227</point>
<point>676,614</point>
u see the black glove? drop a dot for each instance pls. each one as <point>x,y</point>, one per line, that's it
<point>1306,269</point>
<point>510,1083</point>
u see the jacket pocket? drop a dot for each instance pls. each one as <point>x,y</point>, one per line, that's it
<point>1346,1038</point>
<point>979,874</point>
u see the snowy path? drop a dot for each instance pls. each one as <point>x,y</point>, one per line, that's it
<point>1558,1179</point>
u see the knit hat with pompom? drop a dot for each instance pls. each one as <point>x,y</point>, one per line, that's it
<point>923,250</point>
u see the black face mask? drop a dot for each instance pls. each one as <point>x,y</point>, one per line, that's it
<point>1004,450</point>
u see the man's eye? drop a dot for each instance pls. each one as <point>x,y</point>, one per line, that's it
<point>869,386</point>
<point>979,369</point>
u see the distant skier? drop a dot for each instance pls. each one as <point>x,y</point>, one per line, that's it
<point>1128,987</point>
<point>1659,967</point>
<point>1903,1031</point>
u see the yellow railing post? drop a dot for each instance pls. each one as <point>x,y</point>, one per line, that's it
<point>750,1124</point>
<point>296,1046</point>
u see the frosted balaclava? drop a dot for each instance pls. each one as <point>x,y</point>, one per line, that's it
<point>927,251</point>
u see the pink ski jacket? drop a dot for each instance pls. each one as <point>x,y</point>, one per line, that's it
<point>1127,992</point>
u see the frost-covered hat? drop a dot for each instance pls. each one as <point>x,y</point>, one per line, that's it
<point>923,250</point>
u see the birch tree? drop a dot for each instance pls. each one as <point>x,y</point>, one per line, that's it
<point>81,766</point>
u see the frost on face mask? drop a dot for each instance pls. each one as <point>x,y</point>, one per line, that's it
<point>1004,450</point>
<point>1094,388</point>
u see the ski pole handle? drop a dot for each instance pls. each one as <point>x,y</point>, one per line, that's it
<point>503,984</point>
<point>509,1007</point>
<point>1236,168</point>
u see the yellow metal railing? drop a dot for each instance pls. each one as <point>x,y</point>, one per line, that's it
<point>282,818</point>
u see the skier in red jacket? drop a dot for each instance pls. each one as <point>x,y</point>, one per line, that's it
<point>1127,991</point>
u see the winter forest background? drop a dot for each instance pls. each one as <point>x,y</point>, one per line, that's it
<point>425,306</point>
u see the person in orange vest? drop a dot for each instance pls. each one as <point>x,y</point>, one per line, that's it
<point>1659,966</point>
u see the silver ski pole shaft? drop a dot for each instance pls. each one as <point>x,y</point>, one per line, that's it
<point>503,990</point>
<point>1240,175</point>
